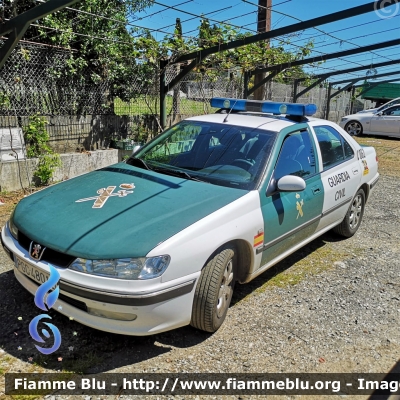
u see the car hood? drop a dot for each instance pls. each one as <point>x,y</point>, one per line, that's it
<point>370,111</point>
<point>359,116</point>
<point>63,217</point>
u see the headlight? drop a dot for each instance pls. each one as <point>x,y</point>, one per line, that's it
<point>123,268</point>
<point>344,119</point>
<point>13,229</point>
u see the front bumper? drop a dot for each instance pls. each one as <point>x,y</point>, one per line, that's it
<point>151,308</point>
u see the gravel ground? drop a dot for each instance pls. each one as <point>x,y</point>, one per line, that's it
<point>341,317</point>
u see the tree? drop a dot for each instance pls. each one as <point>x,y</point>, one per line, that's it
<point>101,43</point>
<point>249,57</point>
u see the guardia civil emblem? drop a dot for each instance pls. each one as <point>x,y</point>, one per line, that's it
<point>299,206</point>
<point>105,193</point>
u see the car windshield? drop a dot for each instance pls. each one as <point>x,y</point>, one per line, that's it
<point>215,153</point>
<point>388,104</point>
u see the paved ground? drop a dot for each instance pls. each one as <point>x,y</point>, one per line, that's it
<point>334,306</point>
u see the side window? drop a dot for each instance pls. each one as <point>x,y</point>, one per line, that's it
<point>394,111</point>
<point>296,157</point>
<point>214,142</point>
<point>334,148</point>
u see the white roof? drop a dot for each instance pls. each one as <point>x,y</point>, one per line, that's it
<point>266,121</point>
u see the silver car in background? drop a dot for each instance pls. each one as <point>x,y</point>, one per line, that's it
<point>382,107</point>
<point>385,123</point>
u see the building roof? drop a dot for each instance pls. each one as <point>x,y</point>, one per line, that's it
<point>384,91</point>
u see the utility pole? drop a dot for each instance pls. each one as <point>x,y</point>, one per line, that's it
<point>263,25</point>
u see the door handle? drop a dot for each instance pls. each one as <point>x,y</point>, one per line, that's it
<point>316,190</point>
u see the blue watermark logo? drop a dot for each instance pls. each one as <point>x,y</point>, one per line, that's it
<point>384,12</point>
<point>45,299</point>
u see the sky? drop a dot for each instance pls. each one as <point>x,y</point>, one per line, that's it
<point>375,27</point>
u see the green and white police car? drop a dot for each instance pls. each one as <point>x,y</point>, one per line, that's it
<point>158,242</point>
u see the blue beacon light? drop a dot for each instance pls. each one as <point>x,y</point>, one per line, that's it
<point>264,106</point>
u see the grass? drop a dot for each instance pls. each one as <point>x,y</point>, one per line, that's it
<point>320,259</point>
<point>83,364</point>
<point>10,200</point>
<point>144,105</point>
<point>321,256</point>
<point>388,152</point>
<point>70,365</point>
<point>7,361</point>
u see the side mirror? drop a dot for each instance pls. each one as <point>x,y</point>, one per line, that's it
<point>380,113</point>
<point>291,183</point>
<point>136,148</point>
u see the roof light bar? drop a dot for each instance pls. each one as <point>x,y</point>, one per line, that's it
<point>264,106</point>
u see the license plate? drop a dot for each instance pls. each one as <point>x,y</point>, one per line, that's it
<point>31,271</point>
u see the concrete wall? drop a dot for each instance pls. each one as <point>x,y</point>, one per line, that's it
<point>15,175</point>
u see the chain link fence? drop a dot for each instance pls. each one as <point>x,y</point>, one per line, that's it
<point>35,81</point>
<point>82,112</point>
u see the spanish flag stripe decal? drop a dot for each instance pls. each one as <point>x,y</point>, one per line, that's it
<point>258,239</point>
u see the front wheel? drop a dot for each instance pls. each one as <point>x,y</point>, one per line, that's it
<point>214,290</point>
<point>354,128</point>
<point>351,222</point>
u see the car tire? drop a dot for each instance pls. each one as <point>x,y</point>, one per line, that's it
<point>214,290</point>
<point>351,222</point>
<point>354,128</point>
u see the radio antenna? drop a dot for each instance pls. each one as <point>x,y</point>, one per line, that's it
<point>229,113</point>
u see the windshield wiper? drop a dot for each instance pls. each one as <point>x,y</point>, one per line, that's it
<point>179,173</point>
<point>144,163</point>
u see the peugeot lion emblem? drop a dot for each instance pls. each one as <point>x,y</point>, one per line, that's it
<point>36,251</point>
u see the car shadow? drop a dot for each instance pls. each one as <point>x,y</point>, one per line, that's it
<point>87,350</point>
<point>392,375</point>
<point>83,349</point>
<point>380,137</point>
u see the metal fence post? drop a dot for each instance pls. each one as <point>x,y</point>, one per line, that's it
<point>328,101</point>
<point>163,98</point>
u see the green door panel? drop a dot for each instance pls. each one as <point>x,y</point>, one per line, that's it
<point>291,217</point>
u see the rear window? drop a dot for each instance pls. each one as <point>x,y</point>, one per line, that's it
<point>334,148</point>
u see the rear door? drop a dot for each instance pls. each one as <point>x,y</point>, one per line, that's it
<point>341,173</point>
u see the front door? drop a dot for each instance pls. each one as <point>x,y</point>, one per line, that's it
<point>388,123</point>
<point>291,217</point>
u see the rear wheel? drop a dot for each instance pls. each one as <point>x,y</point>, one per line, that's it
<point>214,290</point>
<point>351,222</point>
<point>354,128</point>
